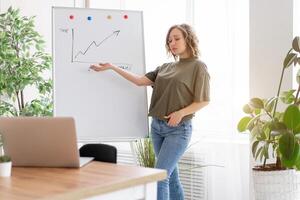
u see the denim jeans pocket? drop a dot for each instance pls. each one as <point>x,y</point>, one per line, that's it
<point>187,130</point>
<point>155,124</point>
<point>187,124</point>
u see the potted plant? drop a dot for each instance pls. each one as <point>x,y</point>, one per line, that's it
<point>275,135</point>
<point>5,161</point>
<point>145,152</point>
<point>23,64</point>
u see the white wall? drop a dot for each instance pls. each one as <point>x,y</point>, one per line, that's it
<point>271,33</point>
<point>296,31</point>
<point>296,15</point>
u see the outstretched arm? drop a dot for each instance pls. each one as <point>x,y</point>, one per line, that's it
<point>134,78</point>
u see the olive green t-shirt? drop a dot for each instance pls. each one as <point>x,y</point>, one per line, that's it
<point>177,85</point>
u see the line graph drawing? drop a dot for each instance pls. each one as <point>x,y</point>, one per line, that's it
<point>80,53</point>
<point>92,44</point>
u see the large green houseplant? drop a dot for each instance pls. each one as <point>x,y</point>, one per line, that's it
<point>276,133</point>
<point>23,64</point>
<point>275,136</point>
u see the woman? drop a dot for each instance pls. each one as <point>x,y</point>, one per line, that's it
<point>180,89</point>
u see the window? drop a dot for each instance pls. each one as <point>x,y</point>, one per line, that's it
<point>223,30</point>
<point>222,27</point>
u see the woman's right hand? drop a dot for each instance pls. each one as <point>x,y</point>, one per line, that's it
<point>101,67</point>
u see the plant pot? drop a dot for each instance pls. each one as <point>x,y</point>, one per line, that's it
<point>297,193</point>
<point>5,169</point>
<point>274,185</point>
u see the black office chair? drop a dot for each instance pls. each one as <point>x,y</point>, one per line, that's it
<point>100,152</point>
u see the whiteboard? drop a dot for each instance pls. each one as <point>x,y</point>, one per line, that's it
<point>103,104</point>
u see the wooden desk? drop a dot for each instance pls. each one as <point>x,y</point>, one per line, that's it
<point>104,180</point>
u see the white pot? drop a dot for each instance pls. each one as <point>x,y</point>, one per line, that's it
<point>274,185</point>
<point>5,169</point>
<point>297,194</point>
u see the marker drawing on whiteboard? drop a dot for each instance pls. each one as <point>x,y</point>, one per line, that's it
<point>92,44</point>
<point>64,30</point>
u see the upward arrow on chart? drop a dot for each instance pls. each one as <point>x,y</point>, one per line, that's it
<point>115,33</point>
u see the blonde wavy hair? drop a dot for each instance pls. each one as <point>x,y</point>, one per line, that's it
<point>189,37</point>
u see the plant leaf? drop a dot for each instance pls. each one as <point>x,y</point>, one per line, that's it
<point>289,59</point>
<point>287,97</point>
<point>145,152</point>
<point>252,121</point>
<point>256,103</point>
<point>277,128</point>
<point>270,104</point>
<point>277,125</point>
<point>296,44</point>
<point>257,111</point>
<point>287,145</point>
<point>297,162</point>
<point>291,117</point>
<point>258,152</point>
<point>294,158</point>
<point>247,109</point>
<point>295,61</point>
<point>243,123</point>
<point>297,130</point>
<point>255,132</point>
<point>254,147</point>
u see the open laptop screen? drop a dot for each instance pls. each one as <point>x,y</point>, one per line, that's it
<point>40,141</point>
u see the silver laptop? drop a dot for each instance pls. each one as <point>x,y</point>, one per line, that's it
<point>41,141</point>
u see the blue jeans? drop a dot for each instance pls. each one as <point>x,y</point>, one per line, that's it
<point>169,145</point>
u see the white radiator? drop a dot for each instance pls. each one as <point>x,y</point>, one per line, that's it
<point>125,157</point>
<point>193,175</point>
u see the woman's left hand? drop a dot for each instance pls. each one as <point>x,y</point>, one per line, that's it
<point>174,118</point>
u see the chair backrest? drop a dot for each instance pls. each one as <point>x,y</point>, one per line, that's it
<point>100,152</point>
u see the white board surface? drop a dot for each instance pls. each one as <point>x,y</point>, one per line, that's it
<point>104,105</point>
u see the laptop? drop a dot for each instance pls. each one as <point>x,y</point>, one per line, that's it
<point>41,141</point>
